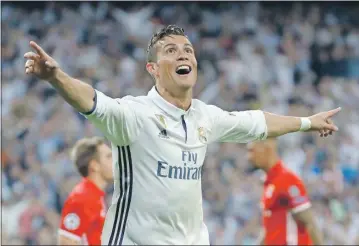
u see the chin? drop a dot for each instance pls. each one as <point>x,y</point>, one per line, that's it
<point>186,86</point>
<point>185,82</point>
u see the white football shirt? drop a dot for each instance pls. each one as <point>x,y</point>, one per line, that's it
<point>158,153</point>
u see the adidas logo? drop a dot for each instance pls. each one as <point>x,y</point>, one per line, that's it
<point>163,134</point>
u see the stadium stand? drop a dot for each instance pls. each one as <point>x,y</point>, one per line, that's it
<point>288,58</point>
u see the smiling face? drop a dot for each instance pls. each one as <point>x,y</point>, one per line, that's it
<point>175,65</point>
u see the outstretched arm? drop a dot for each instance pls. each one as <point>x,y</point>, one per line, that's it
<point>252,125</point>
<point>278,125</point>
<point>78,94</point>
<point>116,118</point>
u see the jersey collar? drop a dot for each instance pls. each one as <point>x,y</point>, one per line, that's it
<point>167,107</point>
<point>273,171</point>
<point>91,185</point>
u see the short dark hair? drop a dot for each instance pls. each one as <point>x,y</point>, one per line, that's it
<point>164,32</point>
<point>84,151</point>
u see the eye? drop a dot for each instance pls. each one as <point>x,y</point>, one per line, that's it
<point>189,50</point>
<point>171,50</point>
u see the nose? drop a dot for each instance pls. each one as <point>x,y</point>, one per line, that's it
<point>182,56</point>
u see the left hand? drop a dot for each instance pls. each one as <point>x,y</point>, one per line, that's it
<point>323,123</point>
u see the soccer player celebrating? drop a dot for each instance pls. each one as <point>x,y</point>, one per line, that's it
<point>286,212</point>
<point>84,211</point>
<point>159,141</point>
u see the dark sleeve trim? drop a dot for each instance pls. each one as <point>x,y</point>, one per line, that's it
<point>94,105</point>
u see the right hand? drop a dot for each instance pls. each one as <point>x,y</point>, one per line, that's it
<point>40,63</point>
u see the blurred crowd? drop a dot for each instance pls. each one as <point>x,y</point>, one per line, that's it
<point>288,58</point>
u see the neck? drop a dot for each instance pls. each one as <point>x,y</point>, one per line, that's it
<point>272,160</point>
<point>98,181</point>
<point>182,99</point>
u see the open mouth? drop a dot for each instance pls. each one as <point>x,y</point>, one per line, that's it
<point>183,69</point>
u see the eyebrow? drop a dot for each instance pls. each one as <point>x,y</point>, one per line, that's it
<point>172,44</point>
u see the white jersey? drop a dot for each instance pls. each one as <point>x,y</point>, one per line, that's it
<point>158,153</point>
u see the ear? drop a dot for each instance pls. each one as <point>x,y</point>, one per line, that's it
<point>152,69</point>
<point>93,165</point>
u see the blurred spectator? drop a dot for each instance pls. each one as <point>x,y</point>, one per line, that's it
<point>294,58</point>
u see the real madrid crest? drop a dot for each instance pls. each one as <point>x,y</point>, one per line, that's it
<point>202,134</point>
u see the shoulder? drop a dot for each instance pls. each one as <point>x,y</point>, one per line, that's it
<point>291,178</point>
<point>139,104</point>
<point>79,195</point>
<point>206,111</point>
<point>288,181</point>
<point>204,107</point>
<point>205,114</point>
<point>136,101</point>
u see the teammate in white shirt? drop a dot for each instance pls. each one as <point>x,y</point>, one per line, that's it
<point>159,141</point>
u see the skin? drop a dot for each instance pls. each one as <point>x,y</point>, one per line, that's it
<point>173,51</point>
<point>100,173</point>
<point>264,155</point>
<point>100,169</point>
<point>174,88</point>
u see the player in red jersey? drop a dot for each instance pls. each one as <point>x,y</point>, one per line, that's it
<point>286,210</point>
<point>84,211</point>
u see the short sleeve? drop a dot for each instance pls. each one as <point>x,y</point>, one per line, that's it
<point>297,195</point>
<point>237,126</point>
<point>115,118</point>
<point>74,220</point>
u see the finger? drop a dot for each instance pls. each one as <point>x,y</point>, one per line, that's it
<point>330,121</point>
<point>32,56</point>
<point>38,49</point>
<point>324,132</point>
<point>29,70</point>
<point>333,112</point>
<point>29,63</point>
<point>331,127</point>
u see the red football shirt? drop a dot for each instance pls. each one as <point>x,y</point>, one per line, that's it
<point>83,214</point>
<point>284,194</point>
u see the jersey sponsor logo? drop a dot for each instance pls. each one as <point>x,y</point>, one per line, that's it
<point>202,134</point>
<point>269,191</point>
<point>187,171</point>
<point>165,170</point>
<point>72,221</point>
<point>189,157</point>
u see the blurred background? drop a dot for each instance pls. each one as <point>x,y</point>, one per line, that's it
<point>286,58</point>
